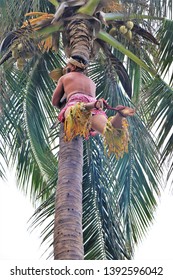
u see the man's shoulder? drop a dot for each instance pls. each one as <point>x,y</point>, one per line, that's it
<point>68,75</point>
<point>75,75</point>
<point>65,77</point>
<point>79,74</point>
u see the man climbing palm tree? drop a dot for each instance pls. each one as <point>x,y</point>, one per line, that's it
<point>83,114</point>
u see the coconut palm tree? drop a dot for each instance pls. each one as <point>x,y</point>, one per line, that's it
<point>115,201</point>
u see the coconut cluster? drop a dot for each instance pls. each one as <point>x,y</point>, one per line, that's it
<point>20,54</point>
<point>125,30</point>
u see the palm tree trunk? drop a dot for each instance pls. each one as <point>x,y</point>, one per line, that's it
<point>68,237</point>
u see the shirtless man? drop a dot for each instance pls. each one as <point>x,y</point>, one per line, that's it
<point>79,88</point>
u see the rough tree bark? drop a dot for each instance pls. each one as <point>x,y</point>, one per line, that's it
<point>68,236</point>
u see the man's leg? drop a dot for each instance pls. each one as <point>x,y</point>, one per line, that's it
<point>99,121</point>
<point>114,131</point>
<point>117,119</point>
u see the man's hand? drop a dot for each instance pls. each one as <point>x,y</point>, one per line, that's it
<point>99,104</point>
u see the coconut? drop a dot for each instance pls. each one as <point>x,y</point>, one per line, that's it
<point>123,29</point>
<point>129,24</point>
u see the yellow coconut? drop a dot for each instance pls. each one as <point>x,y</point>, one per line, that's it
<point>20,63</point>
<point>113,31</point>
<point>20,47</point>
<point>129,24</point>
<point>129,34</point>
<point>15,53</point>
<point>123,29</point>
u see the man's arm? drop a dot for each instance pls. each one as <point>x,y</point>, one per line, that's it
<point>58,94</point>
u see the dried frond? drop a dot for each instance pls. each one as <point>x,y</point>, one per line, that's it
<point>116,140</point>
<point>39,21</point>
<point>112,6</point>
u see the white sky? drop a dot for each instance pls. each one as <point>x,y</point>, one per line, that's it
<point>16,243</point>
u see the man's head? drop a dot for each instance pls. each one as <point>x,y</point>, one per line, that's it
<point>75,64</point>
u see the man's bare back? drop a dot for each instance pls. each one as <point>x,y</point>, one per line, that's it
<point>76,82</point>
<point>71,83</point>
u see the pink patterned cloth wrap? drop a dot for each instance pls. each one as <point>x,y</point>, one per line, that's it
<point>79,97</point>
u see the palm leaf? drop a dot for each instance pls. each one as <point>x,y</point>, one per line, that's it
<point>54,2</point>
<point>24,142</point>
<point>119,68</point>
<point>137,159</point>
<point>159,105</point>
<point>3,161</point>
<point>166,49</point>
<point>36,119</point>
<point>156,8</point>
<point>90,7</point>
<point>13,131</point>
<point>114,43</point>
<point>103,238</point>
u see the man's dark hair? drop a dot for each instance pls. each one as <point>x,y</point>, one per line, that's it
<point>81,63</point>
<point>80,59</point>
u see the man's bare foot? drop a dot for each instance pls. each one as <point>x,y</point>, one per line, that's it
<point>126,111</point>
<point>122,112</point>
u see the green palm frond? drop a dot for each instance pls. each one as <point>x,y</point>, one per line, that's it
<point>3,160</point>
<point>13,131</point>
<point>36,107</point>
<point>103,238</point>
<point>115,63</point>
<point>114,43</point>
<point>154,7</point>
<point>139,158</point>
<point>139,169</point>
<point>27,131</point>
<point>166,50</point>
<point>160,107</point>
<point>170,171</point>
<point>90,7</point>
<point>54,2</point>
